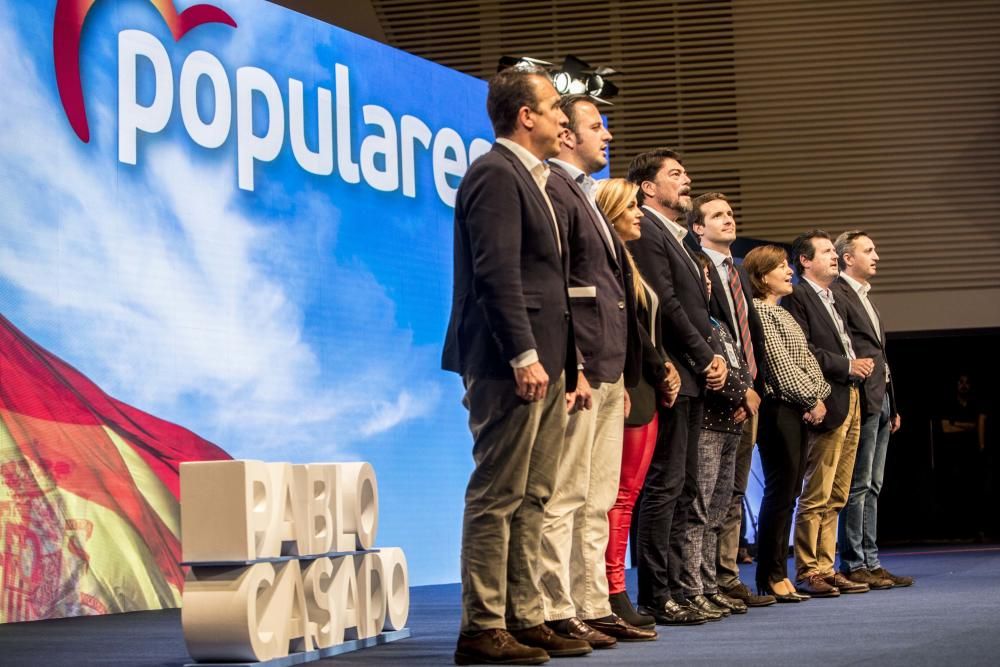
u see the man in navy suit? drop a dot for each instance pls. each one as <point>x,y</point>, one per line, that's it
<point>575,530</point>
<point>834,442</point>
<point>712,222</point>
<point>511,338</point>
<point>670,269</point>
<point>859,560</point>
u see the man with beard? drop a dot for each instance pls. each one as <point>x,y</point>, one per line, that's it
<point>833,442</point>
<point>575,530</point>
<point>511,338</point>
<point>675,276</point>
<point>858,520</point>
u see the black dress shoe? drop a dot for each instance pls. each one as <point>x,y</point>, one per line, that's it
<point>615,626</point>
<point>621,606</point>
<point>732,604</point>
<point>766,589</point>
<point>671,613</point>
<point>709,610</point>
<point>574,628</point>
<point>496,647</point>
<point>541,636</point>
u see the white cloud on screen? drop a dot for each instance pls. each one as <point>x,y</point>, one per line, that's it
<point>164,296</point>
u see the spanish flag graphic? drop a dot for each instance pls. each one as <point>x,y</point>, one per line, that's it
<point>89,511</point>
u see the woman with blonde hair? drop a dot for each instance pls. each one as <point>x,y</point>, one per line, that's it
<point>794,389</point>
<point>659,382</point>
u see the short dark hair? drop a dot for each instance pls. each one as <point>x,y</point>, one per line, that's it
<point>695,216</point>
<point>803,246</point>
<point>645,167</point>
<point>568,105</point>
<point>509,90</point>
<point>844,243</point>
<point>759,262</point>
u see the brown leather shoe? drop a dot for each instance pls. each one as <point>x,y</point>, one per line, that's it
<point>863,576</point>
<point>574,628</point>
<point>496,647</point>
<point>816,587</point>
<point>897,580</point>
<point>845,585</point>
<point>742,592</point>
<point>541,636</point>
<point>617,627</point>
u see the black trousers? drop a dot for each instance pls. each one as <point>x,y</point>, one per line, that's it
<point>670,486</point>
<point>782,437</point>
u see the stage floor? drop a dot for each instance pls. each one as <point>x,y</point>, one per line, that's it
<point>951,616</point>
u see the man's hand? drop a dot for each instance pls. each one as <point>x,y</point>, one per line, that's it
<point>862,368</point>
<point>582,397</point>
<point>671,386</point>
<point>897,421</point>
<point>715,376</point>
<point>740,415</point>
<point>628,404</point>
<point>815,414</point>
<point>532,382</point>
<point>751,401</point>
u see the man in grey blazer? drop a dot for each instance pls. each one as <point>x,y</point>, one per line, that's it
<point>511,338</point>
<point>859,560</point>
<point>575,530</point>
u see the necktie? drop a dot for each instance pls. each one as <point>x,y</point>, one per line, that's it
<point>742,316</point>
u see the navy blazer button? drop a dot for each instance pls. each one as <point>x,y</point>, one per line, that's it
<point>566,314</point>
<point>621,305</point>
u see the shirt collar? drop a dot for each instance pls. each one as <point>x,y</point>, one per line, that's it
<point>717,257</point>
<point>861,288</point>
<point>824,293</point>
<point>526,157</point>
<point>574,172</point>
<point>677,231</point>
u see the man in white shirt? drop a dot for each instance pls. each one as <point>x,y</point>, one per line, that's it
<point>834,441</point>
<point>859,560</point>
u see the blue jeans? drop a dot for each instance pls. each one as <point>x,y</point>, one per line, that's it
<point>859,518</point>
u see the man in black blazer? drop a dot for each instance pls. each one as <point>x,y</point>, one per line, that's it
<point>859,560</point>
<point>575,530</point>
<point>713,225</point>
<point>833,445</point>
<point>511,339</point>
<point>675,276</point>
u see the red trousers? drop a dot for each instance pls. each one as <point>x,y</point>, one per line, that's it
<point>637,452</point>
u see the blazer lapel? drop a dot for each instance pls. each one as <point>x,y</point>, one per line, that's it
<point>581,196</point>
<point>532,187</point>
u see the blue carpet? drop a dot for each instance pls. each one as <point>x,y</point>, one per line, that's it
<point>951,616</point>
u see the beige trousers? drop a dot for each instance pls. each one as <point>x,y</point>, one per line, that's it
<point>516,452</point>
<point>827,482</point>
<point>575,529</point>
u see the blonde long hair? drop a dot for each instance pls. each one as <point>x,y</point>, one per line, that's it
<point>613,197</point>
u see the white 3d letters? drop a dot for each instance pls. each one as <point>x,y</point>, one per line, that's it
<point>319,521</point>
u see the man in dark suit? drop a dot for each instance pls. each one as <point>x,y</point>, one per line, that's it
<point>834,442</point>
<point>675,276</point>
<point>575,530</point>
<point>712,223</point>
<point>511,339</point>
<point>859,560</point>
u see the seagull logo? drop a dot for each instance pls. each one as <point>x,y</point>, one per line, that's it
<point>70,16</point>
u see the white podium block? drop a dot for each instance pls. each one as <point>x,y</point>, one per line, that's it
<point>396,581</point>
<point>222,614</point>
<point>359,495</point>
<point>226,512</point>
